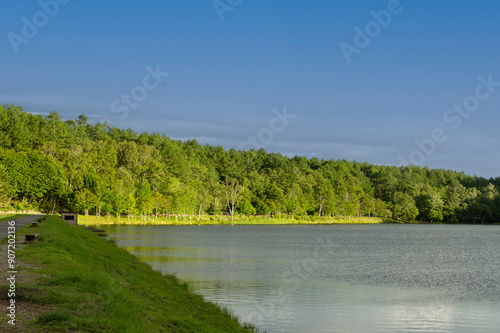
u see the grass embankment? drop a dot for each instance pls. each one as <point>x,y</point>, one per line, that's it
<point>95,286</point>
<point>93,220</point>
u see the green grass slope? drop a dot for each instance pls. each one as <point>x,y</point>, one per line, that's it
<point>96,286</point>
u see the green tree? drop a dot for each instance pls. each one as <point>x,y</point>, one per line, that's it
<point>217,195</point>
<point>6,190</point>
<point>143,198</point>
<point>131,204</point>
<point>233,193</point>
<point>246,208</point>
<point>119,198</point>
<point>203,199</point>
<point>159,203</point>
<point>404,207</point>
<point>322,193</point>
<point>86,200</point>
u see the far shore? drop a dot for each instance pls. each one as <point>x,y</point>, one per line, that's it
<point>221,220</point>
<point>92,220</point>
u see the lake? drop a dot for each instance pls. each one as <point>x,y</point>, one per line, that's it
<point>335,278</point>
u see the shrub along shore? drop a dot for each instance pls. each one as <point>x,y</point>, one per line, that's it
<point>86,283</point>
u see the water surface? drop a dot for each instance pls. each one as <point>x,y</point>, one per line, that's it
<point>335,278</point>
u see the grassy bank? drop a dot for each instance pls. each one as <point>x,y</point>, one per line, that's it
<point>86,283</point>
<point>93,220</point>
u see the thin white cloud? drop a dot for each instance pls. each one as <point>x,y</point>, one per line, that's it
<point>35,99</point>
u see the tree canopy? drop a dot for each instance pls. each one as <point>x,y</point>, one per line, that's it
<point>46,162</point>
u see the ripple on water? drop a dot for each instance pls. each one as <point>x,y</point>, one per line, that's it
<point>375,278</point>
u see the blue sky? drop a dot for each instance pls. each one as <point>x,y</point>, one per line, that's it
<point>228,79</point>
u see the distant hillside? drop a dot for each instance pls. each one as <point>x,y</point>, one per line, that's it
<point>47,163</point>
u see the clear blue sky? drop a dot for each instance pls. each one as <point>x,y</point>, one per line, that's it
<point>226,76</point>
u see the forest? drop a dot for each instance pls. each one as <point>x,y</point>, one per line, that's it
<point>47,164</point>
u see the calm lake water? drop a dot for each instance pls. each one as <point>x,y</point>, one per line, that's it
<point>335,278</point>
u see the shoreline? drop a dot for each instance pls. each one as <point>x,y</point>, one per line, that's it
<point>104,221</point>
<point>102,287</point>
<point>92,220</point>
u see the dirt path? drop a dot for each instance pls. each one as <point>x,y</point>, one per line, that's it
<point>26,282</point>
<point>20,222</point>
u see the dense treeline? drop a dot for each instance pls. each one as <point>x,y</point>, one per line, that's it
<point>47,164</point>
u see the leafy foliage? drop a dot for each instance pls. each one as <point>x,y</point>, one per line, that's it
<point>48,163</point>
